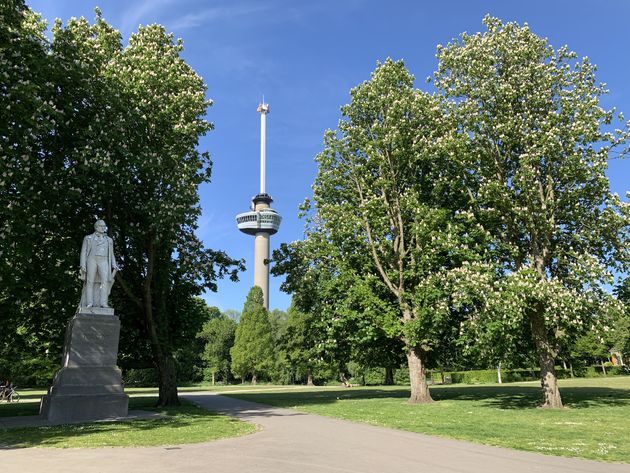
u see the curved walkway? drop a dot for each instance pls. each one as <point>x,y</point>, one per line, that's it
<point>290,441</point>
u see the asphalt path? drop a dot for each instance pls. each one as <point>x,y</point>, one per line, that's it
<point>290,441</point>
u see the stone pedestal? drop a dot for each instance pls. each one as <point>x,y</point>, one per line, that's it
<point>89,384</point>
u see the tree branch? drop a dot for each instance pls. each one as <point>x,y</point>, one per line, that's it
<point>128,291</point>
<point>375,257</point>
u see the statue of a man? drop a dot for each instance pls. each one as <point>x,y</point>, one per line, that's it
<point>98,267</point>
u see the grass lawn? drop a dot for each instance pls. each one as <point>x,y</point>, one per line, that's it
<point>184,424</point>
<point>595,423</point>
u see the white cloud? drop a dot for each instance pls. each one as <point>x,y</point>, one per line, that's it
<point>210,15</point>
<point>142,12</point>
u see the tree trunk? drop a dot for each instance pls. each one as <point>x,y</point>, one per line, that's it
<point>389,376</point>
<point>162,356</point>
<point>571,369</point>
<point>168,381</point>
<point>309,378</point>
<point>254,379</point>
<point>499,373</point>
<point>546,359</point>
<point>417,377</point>
<point>603,366</point>
<point>213,378</point>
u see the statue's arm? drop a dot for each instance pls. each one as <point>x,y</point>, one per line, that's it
<point>112,256</point>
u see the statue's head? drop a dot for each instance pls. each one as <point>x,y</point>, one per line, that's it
<point>100,226</point>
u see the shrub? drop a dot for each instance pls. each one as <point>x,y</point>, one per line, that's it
<point>140,377</point>
<point>618,370</point>
<point>374,376</point>
<point>31,372</point>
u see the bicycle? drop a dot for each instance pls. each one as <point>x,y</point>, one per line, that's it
<point>9,394</point>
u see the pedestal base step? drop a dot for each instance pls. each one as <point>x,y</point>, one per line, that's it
<point>64,409</point>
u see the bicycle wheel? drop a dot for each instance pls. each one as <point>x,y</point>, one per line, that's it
<point>15,397</point>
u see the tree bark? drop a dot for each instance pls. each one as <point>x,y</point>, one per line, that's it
<point>167,374</point>
<point>603,366</point>
<point>417,377</point>
<point>213,378</point>
<point>389,376</point>
<point>309,378</point>
<point>168,381</point>
<point>546,359</point>
<point>499,373</point>
<point>254,379</point>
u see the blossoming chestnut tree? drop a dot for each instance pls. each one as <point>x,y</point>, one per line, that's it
<point>539,143</point>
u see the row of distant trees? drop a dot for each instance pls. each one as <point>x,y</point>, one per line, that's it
<point>256,344</point>
<point>294,347</point>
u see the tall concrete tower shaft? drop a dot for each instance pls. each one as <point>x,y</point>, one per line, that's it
<point>261,221</point>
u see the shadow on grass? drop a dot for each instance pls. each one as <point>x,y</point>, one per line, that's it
<point>530,397</point>
<point>499,397</point>
<point>59,435</point>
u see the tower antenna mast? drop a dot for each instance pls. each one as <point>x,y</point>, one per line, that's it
<point>262,221</point>
<point>263,109</point>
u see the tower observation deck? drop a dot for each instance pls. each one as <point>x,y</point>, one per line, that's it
<point>261,221</point>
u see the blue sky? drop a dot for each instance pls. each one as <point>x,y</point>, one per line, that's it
<point>304,56</point>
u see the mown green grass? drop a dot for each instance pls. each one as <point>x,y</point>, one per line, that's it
<point>595,423</point>
<point>187,423</point>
